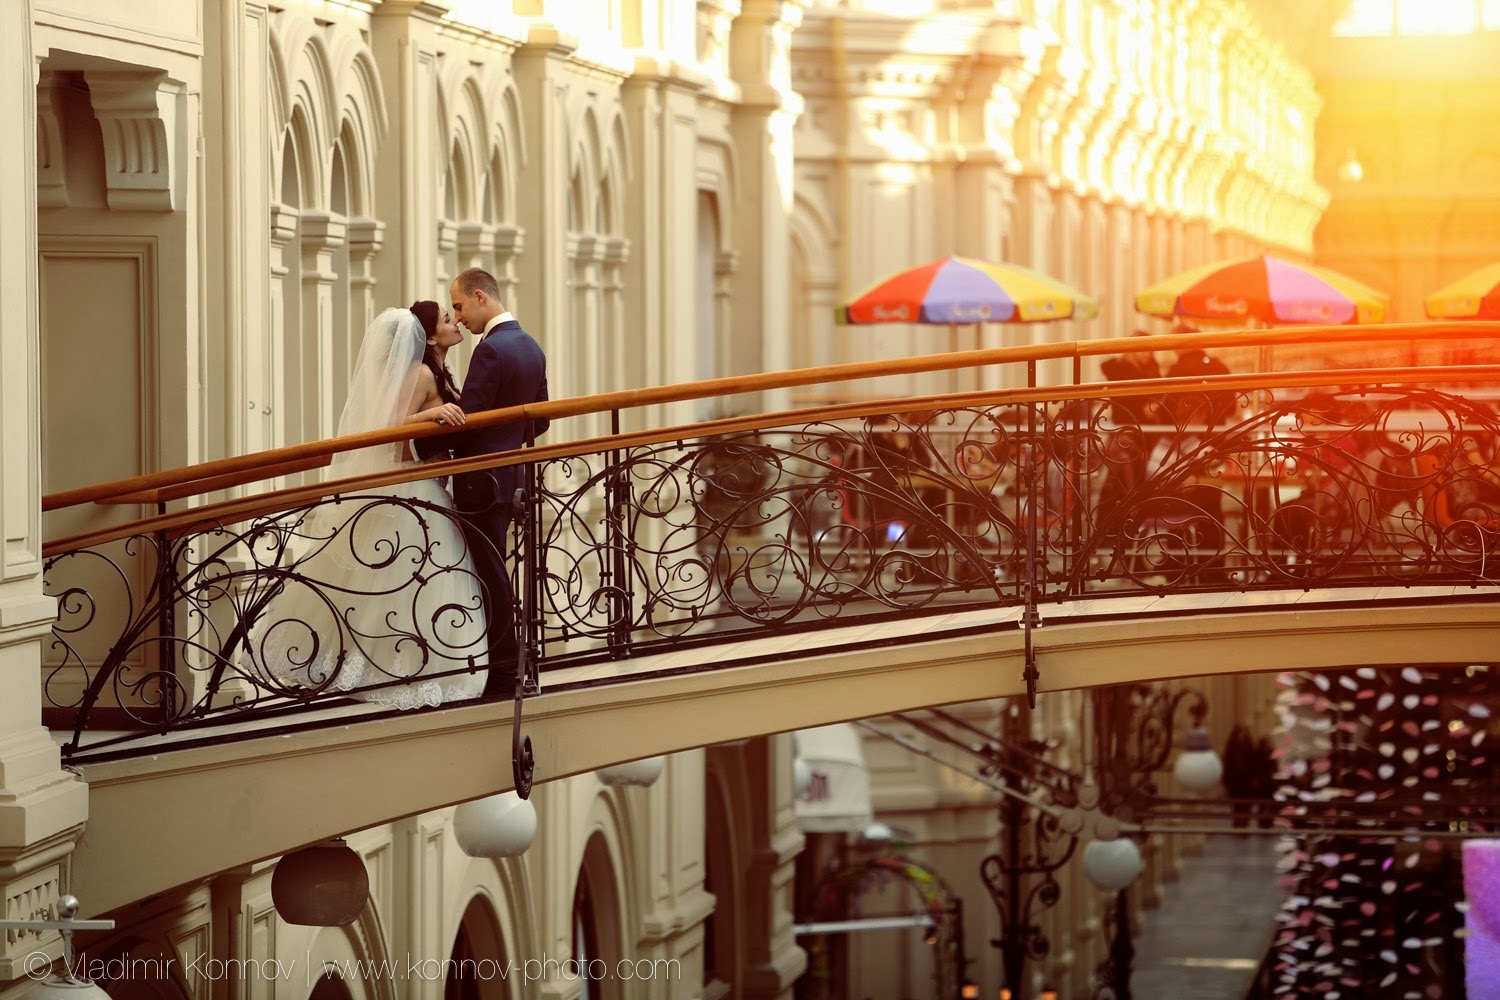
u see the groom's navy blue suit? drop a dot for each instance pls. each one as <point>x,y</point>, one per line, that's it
<point>508,368</point>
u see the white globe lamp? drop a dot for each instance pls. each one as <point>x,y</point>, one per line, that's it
<point>1198,768</point>
<point>1112,864</point>
<point>496,826</point>
<point>641,773</point>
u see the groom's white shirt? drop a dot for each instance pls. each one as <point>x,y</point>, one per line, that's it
<point>495,321</point>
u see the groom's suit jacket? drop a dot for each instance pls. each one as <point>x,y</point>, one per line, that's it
<point>508,368</point>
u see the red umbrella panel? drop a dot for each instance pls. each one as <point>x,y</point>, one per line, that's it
<point>967,290</point>
<point>1263,288</point>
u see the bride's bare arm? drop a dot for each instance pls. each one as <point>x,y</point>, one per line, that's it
<point>428,405</point>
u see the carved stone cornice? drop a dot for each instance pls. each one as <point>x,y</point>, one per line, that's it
<point>475,239</point>
<point>366,237</point>
<point>51,164</point>
<point>616,250</point>
<point>508,240</point>
<point>283,224</point>
<point>447,235</point>
<point>322,232</point>
<point>144,144</point>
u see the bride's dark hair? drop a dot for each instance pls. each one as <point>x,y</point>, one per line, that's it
<point>428,313</point>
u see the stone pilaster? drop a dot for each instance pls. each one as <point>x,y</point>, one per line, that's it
<point>366,237</point>
<point>762,126</point>
<point>323,383</point>
<point>42,806</point>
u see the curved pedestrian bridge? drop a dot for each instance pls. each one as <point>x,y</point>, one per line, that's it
<point>693,584</point>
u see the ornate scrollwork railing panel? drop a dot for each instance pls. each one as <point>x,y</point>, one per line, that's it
<point>1327,489</point>
<point>705,540</point>
<point>771,528</point>
<point>372,597</point>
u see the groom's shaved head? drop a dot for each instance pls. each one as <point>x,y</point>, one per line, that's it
<point>477,279</point>
<point>476,299</point>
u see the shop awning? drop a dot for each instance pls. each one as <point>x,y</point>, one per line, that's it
<point>837,797</point>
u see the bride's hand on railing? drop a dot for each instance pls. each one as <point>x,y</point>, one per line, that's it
<point>449,414</point>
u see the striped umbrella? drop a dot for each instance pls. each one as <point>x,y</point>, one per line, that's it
<point>1474,296</point>
<point>1263,288</point>
<point>967,290</point>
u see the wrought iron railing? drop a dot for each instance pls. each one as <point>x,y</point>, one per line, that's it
<point>188,622</point>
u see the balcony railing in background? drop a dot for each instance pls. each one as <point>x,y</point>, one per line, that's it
<point>1348,476</point>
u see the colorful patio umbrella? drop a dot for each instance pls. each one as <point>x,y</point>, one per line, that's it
<point>1263,288</point>
<point>1474,296</point>
<point>957,290</point>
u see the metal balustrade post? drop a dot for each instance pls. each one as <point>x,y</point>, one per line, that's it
<point>618,540</point>
<point>1031,618</point>
<point>1121,949</point>
<point>166,612</point>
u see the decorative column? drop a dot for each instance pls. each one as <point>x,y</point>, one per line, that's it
<point>773,959</point>
<point>762,126</point>
<point>322,384</point>
<point>726,265</point>
<point>366,237</point>
<point>445,264</point>
<point>508,241</point>
<point>267,402</point>
<point>42,806</point>
<point>585,254</point>
<point>614,255</point>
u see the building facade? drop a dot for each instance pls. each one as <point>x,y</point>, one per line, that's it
<point>227,191</point>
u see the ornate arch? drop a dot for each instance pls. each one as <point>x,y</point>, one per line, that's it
<point>584,171</point>
<point>615,173</point>
<point>507,144</point>
<point>463,115</point>
<point>718,174</point>
<point>310,90</point>
<point>811,228</point>
<point>613,819</point>
<point>837,895</point>
<point>361,120</point>
<point>153,968</point>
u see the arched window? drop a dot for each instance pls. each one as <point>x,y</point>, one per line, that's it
<point>586,939</point>
<point>478,957</point>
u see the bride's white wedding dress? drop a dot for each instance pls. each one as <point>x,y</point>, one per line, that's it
<point>374,592</point>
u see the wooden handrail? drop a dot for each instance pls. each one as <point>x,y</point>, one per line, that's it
<point>243,508</point>
<point>173,483</point>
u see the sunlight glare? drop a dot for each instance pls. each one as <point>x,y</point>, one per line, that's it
<point>1435,17</point>
<point>1370,18</point>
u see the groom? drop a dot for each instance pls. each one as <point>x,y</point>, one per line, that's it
<point>508,368</point>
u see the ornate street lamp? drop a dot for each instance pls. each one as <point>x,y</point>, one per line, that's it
<point>1045,809</point>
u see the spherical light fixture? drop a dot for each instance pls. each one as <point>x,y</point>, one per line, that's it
<point>1112,864</point>
<point>496,826</point>
<point>1198,768</point>
<point>1351,170</point>
<point>325,885</point>
<point>642,773</point>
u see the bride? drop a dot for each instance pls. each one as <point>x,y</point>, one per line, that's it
<point>374,592</point>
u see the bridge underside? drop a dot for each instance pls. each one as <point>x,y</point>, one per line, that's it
<point>259,797</point>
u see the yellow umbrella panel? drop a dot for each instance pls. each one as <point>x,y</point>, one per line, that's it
<point>1474,296</point>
